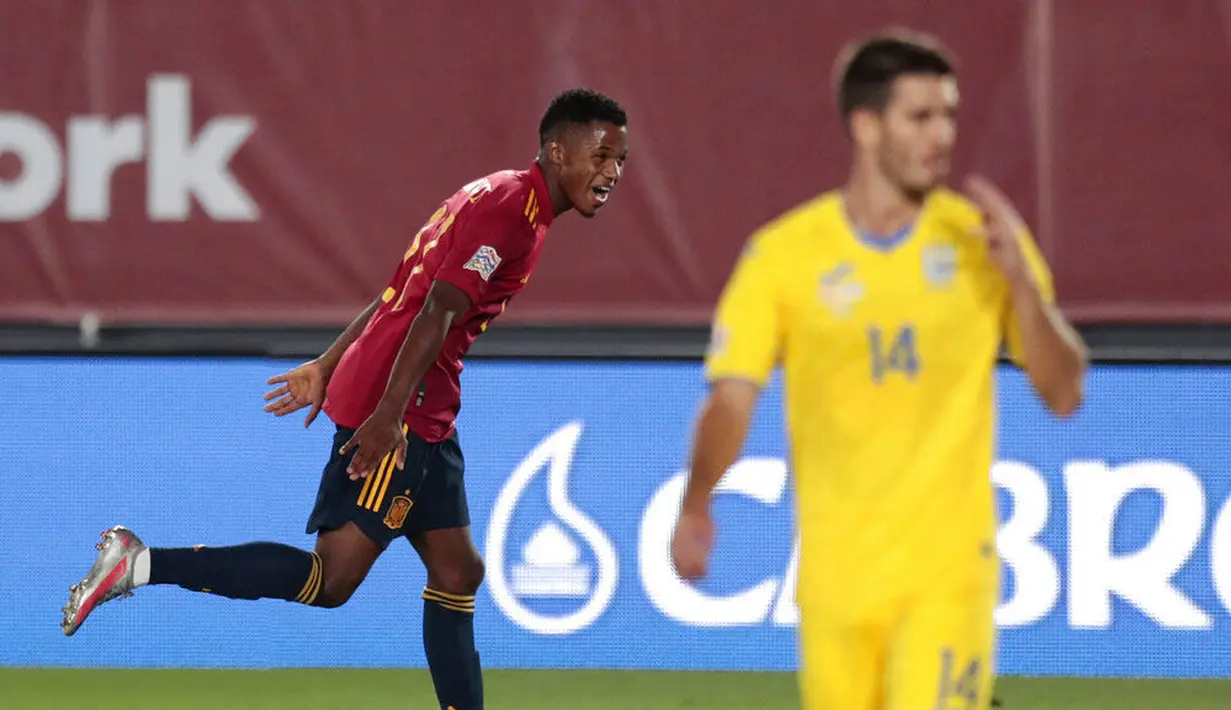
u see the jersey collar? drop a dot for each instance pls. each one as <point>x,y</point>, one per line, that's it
<point>539,182</point>
<point>883,243</point>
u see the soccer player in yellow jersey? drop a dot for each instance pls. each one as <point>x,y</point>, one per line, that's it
<point>886,303</point>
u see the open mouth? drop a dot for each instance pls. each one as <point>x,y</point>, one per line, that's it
<point>601,193</point>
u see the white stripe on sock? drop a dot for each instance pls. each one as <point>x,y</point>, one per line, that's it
<point>141,568</point>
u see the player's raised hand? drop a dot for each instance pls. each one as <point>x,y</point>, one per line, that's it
<point>691,544</point>
<point>301,387</point>
<point>1002,225</point>
<point>372,441</point>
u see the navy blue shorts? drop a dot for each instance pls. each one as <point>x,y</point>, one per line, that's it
<point>428,493</point>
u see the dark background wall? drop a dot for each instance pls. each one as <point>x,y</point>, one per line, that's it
<point>322,135</point>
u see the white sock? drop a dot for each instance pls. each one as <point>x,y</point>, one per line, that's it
<point>141,568</point>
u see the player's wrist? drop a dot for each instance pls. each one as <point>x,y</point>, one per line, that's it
<point>1023,287</point>
<point>389,408</point>
<point>695,503</point>
<point>327,363</point>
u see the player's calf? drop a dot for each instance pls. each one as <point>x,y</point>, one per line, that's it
<point>255,570</point>
<point>325,577</point>
<point>454,572</point>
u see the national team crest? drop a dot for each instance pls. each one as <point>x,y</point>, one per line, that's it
<point>399,508</point>
<point>940,264</point>
<point>484,262</point>
<point>839,290</point>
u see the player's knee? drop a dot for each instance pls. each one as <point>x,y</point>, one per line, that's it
<point>335,595</point>
<point>336,590</point>
<point>462,576</point>
<point>346,556</point>
<point>475,574</point>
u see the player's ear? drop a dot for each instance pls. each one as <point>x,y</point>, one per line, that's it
<point>555,153</point>
<point>865,128</point>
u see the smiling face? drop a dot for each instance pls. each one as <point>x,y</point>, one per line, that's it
<point>589,162</point>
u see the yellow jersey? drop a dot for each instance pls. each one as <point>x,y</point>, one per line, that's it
<point>888,350</point>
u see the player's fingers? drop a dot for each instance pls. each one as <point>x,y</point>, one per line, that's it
<point>316,409</point>
<point>280,404</point>
<point>361,463</point>
<point>701,562</point>
<point>277,378</point>
<point>980,189</point>
<point>689,565</point>
<point>286,405</point>
<point>684,554</point>
<point>277,392</point>
<point>994,203</point>
<point>977,190</point>
<point>400,455</point>
<point>680,560</point>
<point>989,189</point>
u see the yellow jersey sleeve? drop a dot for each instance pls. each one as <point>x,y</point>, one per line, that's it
<point>1043,279</point>
<point>747,327</point>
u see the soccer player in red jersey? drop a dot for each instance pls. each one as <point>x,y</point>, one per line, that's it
<point>390,384</point>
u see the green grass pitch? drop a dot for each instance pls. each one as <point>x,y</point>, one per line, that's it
<point>345,689</point>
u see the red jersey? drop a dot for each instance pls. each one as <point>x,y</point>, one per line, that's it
<point>484,240</point>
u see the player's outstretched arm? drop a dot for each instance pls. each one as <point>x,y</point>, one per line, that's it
<point>305,385</point>
<point>330,358</point>
<point>742,353</point>
<point>382,432</point>
<point>720,431</point>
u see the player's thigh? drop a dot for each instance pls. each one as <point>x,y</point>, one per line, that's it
<point>841,663</point>
<point>347,555</point>
<point>942,656</point>
<point>440,502</point>
<point>439,523</point>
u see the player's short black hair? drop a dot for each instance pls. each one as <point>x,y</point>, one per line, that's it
<point>867,69</point>
<point>579,107</point>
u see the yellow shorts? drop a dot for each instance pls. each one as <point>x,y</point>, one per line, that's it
<point>934,651</point>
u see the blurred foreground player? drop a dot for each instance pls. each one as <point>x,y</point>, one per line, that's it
<point>390,384</point>
<point>886,303</point>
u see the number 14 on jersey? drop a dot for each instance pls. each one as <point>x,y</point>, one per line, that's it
<point>893,351</point>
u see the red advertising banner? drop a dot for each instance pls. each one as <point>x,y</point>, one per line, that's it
<point>266,161</point>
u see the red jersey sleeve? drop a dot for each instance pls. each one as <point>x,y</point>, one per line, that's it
<point>494,234</point>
